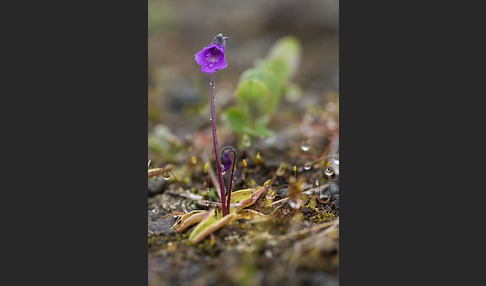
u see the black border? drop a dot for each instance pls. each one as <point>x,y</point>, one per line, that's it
<point>409,143</point>
<point>76,143</point>
<point>375,145</point>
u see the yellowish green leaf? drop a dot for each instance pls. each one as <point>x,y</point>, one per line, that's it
<point>208,225</point>
<point>251,200</point>
<point>250,214</point>
<point>240,195</point>
<point>188,219</point>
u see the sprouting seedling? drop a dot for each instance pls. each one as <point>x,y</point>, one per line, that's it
<point>193,161</point>
<point>211,59</point>
<point>258,160</point>
<point>329,171</point>
<point>270,195</point>
<point>318,193</point>
<point>243,173</point>
<point>295,194</point>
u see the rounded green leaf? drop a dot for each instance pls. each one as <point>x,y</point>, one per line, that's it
<point>278,67</point>
<point>255,98</point>
<point>288,49</point>
<point>237,120</point>
<point>270,80</point>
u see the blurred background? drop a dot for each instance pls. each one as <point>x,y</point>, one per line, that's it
<point>305,124</point>
<point>178,92</point>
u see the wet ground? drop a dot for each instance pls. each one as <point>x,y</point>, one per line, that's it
<point>294,246</point>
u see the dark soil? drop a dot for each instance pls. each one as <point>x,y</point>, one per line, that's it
<point>290,247</point>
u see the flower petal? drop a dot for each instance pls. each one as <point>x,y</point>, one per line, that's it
<point>211,58</point>
<point>201,57</point>
<point>223,64</point>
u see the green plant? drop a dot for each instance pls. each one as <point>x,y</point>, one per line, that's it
<point>211,59</point>
<point>260,88</point>
<point>214,219</point>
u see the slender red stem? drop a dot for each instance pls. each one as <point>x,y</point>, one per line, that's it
<point>216,151</point>
<point>230,188</point>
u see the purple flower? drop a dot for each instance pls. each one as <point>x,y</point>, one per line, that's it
<point>225,159</point>
<point>211,58</point>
